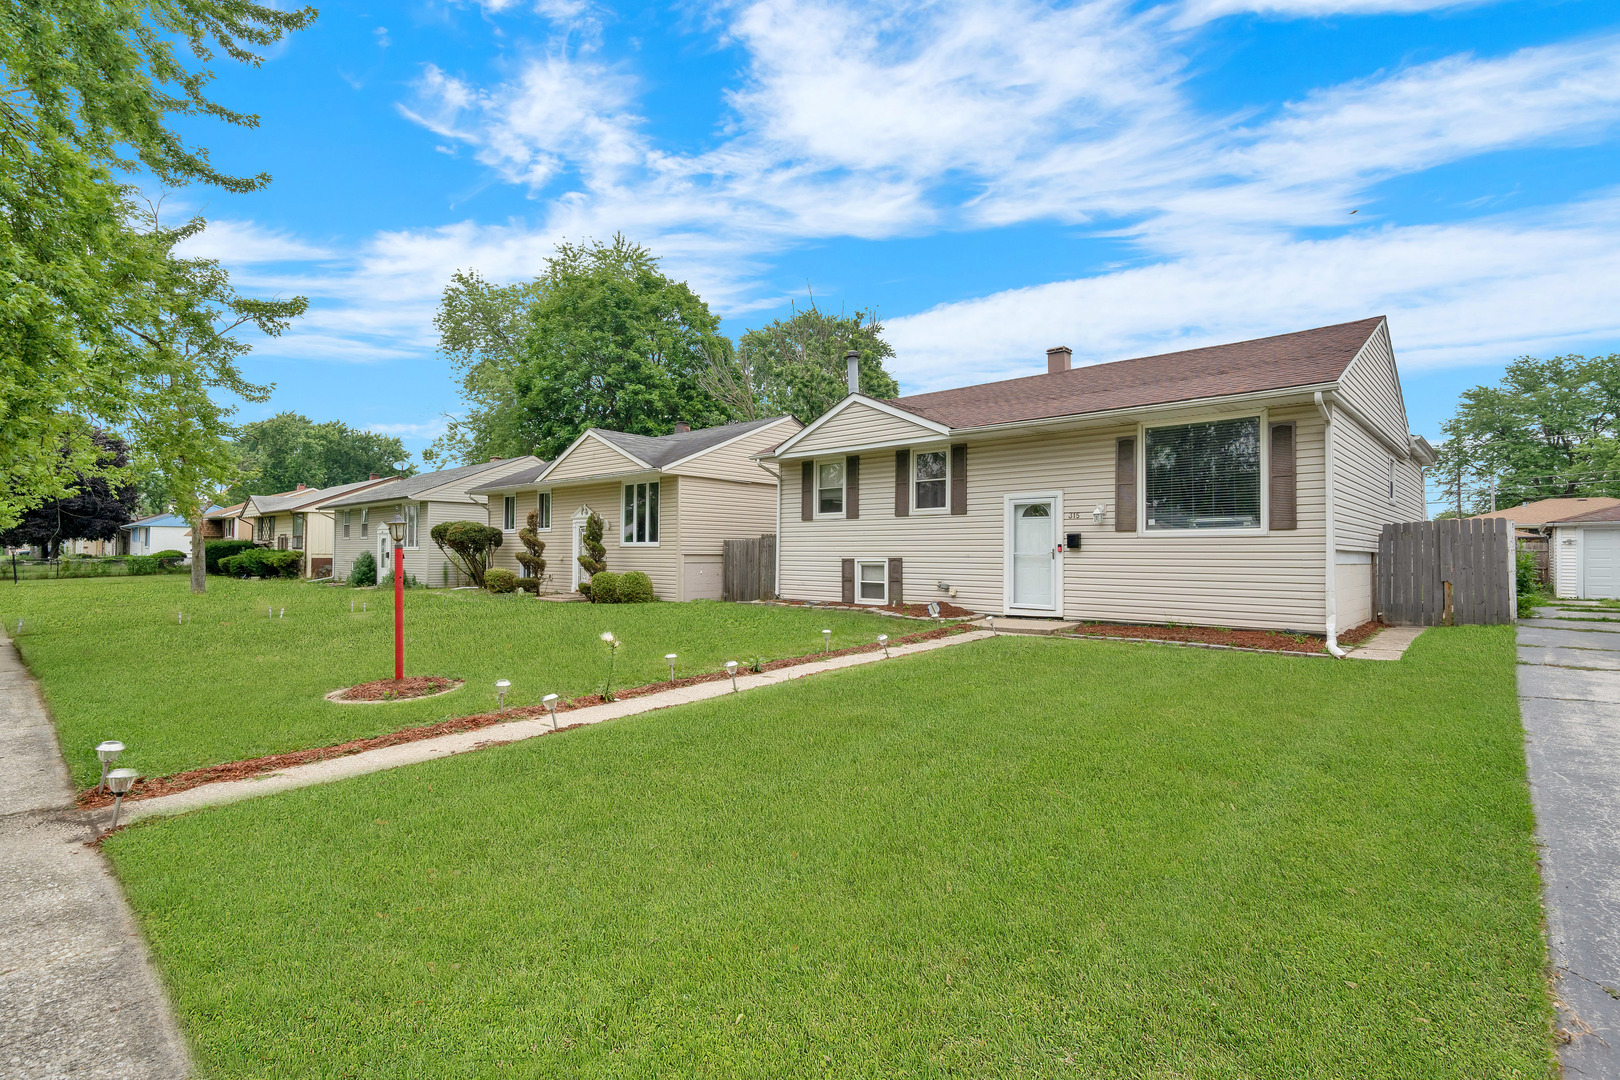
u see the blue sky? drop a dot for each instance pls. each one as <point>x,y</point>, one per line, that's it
<point>994,177</point>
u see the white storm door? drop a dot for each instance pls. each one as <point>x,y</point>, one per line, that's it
<point>579,549</point>
<point>385,553</point>
<point>1034,561</point>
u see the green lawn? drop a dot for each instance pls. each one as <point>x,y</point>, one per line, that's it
<point>1024,857</point>
<point>230,683</point>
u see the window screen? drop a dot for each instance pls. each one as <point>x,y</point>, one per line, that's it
<point>830,487</point>
<point>873,580</point>
<point>544,507</point>
<point>1204,476</point>
<point>509,512</point>
<point>929,470</point>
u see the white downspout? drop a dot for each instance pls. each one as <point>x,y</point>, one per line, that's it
<point>1330,592</point>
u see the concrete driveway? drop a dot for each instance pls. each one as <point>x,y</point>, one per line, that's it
<point>1569,696</point>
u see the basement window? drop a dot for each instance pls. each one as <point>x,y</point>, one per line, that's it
<point>872,582</point>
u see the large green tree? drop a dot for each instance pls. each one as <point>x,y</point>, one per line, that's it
<point>1549,428</point>
<point>797,365</point>
<point>289,449</point>
<point>103,324</point>
<point>481,330</point>
<point>612,342</point>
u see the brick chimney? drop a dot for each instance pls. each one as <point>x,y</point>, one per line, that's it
<point>853,359</point>
<point>495,459</point>
<point>682,429</point>
<point>1057,359</point>
<point>374,476</point>
<point>300,487</point>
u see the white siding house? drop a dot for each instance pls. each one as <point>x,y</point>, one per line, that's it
<point>159,532</point>
<point>1586,555</point>
<point>1242,486</point>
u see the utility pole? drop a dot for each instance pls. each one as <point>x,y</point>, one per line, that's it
<point>1459,491</point>
<point>1493,493</point>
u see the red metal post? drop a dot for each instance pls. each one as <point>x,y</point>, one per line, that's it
<point>399,612</point>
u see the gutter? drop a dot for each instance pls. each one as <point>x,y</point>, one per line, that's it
<point>1330,591</point>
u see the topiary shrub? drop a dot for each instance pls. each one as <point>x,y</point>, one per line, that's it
<point>364,570</point>
<point>497,580</point>
<point>636,588</point>
<point>533,556</point>
<point>469,545</point>
<point>215,550</point>
<point>604,588</point>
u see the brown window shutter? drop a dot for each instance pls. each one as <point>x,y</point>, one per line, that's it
<point>897,582</point>
<point>1284,478</point>
<point>1125,485</point>
<point>959,478</point>
<point>849,581</point>
<point>807,497</point>
<point>852,486</point>
<point>902,483</point>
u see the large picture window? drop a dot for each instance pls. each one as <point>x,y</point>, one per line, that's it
<point>641,513</point>
<point>829,487</point>
<point>930,470</point>
<point>1204,475</point>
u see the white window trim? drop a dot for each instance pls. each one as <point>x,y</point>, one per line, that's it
<point>946,507</point>
<point>629,485</point>
<point>1264,528</point>
<point>365,522</point>
<point>407,511</point>
<point>347,520</point>
<point>509,500</point>
<point>872,562</point>
<point>815,490</point>
<point>545,525</point>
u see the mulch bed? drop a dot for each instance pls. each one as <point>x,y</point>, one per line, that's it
<point>154,787</point>
<point>411,686</point>
<point>1267,640</point>
<point>915,611</point>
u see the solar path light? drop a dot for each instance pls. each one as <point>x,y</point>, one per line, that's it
<point>501,687</point>
<point>826,641</point>
<point>731,669</point>
<point>550,702</point>
<point>119,781</point>
<point>671,657</point>
<point>108,753</point>
<point>883,640</point>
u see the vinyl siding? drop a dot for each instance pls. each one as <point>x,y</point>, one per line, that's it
<point>713,511</point>
<point>592,457</point>
<point>317,535</point>
<point>1361,503</point>
<point>862,425</point>
<point>1271,580</point>
<point>660,563</point>
<point>1372,384</point>
<point>1566,563</point>
<point>734,462</point>
<point>425,562</point>
<point>556,540</point>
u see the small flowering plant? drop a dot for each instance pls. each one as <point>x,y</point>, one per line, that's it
<point>613,655</point>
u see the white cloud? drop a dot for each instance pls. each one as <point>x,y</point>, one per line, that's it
<point>1200,11</point>
<point>240,243</point>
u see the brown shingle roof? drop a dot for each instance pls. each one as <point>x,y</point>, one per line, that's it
<point>1544,510</point>
<point>1607,513</point>
<point>1274,363</point>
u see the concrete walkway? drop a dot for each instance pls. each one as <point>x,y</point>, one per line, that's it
<point>392,757</point>
<point>78,997</point>
<point>1569,697</point>
<point>1389,643</point>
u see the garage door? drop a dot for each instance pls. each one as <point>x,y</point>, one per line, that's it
<point>1600,549</point>
<point>700,577</point>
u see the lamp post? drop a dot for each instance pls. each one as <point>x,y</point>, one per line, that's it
<point>396,532</point>
<point>108,753</point>
<point>119,782</point>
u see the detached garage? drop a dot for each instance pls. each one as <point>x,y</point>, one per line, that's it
<point>1586,556</point>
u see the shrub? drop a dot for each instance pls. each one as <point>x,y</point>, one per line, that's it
<point>364,570</point>
<point>533,555</point>
<point>529,584</point>
<point>143,564</point>
<point>636,588</point>
<point>500,581</point>
<point>262,562</point>
<point>387,581</point>
<point>1529,584</point>
<point>215,550</point>
<point>595,556</point>
<point>604,587</point>
<point>469,545</point>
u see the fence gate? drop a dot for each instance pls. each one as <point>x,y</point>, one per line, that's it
<point>748,571</point>
<point>1447,573</point>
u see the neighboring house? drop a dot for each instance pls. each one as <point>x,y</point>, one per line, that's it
<point>1241,485</point>
<point>160,532</point>
<point>1530,518</point>
<point>225,523</point>
<point>360,519</point>
<point>1586,554</point>
<point>297,520</point>
<point>667,503</point>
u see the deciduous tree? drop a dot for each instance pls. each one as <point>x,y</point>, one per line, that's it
<point>289,449</point>
<point>797,365</point>
<point>469,545</point>
<point>95,507</point>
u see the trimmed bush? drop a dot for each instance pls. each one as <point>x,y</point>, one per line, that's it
<point>143,564</point>
<point>170,559</point>
<point>636,588</point>
<point>215,550</point>
<point>529,585</point>
<point>263,562</point>
<point>497,580</point>
<point>604,587</point>
<point>364,570</point>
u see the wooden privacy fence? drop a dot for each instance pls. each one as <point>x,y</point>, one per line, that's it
<point>1446,573</point>
<point>748,571</point>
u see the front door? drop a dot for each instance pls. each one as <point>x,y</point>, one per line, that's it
<point>385,553</point>
<point>581,516</point>
<point>1034,555</point>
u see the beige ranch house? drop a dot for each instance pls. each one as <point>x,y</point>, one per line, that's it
<point>360,519</point>
<point>1241,485</point>
<point>297,520</point>
<point>667,503</point>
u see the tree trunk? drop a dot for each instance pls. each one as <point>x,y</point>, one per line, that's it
<point>199,545</point>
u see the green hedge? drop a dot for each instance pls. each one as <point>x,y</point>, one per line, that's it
<point>497,580</point>
<point>633,587</point>
<point>215,550</point>
<point>263,562</point>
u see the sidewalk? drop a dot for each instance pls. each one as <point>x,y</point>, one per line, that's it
<point>392,757</point>
<point>78,996</point>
